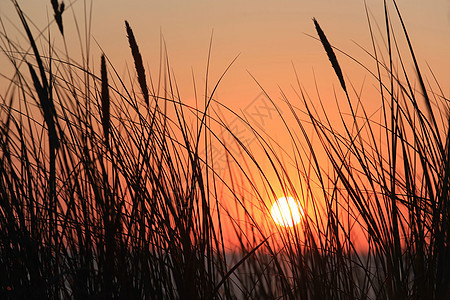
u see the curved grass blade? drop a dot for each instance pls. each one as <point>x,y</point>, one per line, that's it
<point>48,110</point>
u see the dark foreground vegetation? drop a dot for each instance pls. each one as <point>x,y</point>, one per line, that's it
<point>107,189</point>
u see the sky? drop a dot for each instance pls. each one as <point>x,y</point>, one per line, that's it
<point>268,36</point>
<point>269,39</point>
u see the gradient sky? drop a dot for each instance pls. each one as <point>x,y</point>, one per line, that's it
<point>268,36</point>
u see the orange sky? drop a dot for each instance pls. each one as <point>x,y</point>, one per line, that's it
<point>269,36</point>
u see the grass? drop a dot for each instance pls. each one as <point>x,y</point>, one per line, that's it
<point>108,190</point>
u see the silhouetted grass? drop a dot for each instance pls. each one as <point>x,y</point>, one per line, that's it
<point>104,194</point>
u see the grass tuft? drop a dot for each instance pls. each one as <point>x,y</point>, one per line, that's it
<point>117,205</point>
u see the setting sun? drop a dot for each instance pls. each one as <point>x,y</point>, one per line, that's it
<point>286,211</point>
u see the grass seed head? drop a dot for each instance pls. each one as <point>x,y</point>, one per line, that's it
<point>137,62</point>
<point>105,100</point>
<point>330,54</point>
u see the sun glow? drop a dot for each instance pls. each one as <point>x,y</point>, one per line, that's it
<point>287,211</point>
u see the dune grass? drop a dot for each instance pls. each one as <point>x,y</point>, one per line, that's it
<point>107,190</point>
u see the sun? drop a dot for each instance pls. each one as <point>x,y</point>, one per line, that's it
<point>286,211</point>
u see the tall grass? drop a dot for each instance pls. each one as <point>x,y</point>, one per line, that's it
<point>106,193</point>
